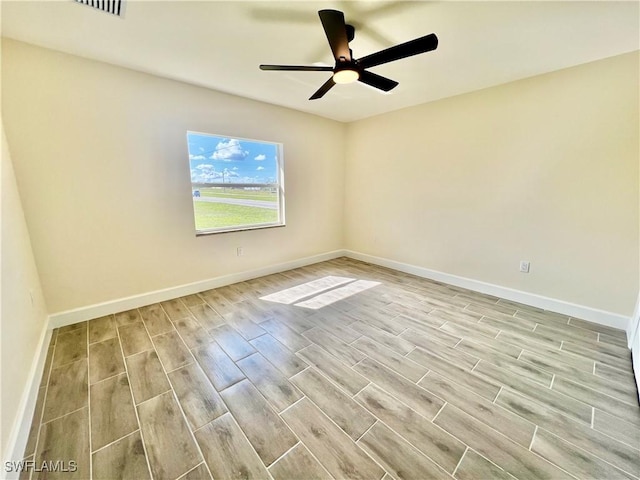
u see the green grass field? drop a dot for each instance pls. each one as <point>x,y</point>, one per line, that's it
<point>246,194</point>
<point>219,215</point>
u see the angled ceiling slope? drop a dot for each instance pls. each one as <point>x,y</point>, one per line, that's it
<point>219,45</point>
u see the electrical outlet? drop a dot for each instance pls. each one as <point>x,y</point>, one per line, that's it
<point>240,251</point>
<point>524,266</point>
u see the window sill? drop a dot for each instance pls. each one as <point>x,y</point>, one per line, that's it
<point>203,233</point>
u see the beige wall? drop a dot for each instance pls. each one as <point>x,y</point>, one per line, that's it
<point>22,322</point>
<point>101,160</point>
<point>543,169</point>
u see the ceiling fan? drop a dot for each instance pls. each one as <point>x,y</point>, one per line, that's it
<point>348,69</point>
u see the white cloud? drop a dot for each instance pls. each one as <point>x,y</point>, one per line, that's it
<point>205,167</point>
<point>247,180</point>
<point>260,157</point>
<point>260,168</point>
<point>197,157</point>
<point>204,176</point>
<point>230,173</point>
<point>234,168</point>
<point>228,151</point>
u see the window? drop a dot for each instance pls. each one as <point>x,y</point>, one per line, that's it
<point>236,183</point>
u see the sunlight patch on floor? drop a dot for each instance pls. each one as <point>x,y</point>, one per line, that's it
<point>309,289</point>
<point>337,294</point>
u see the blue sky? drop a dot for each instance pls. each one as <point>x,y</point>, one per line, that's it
<point>214,159</point>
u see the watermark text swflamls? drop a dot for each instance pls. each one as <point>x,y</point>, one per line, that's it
<point>44,466</point>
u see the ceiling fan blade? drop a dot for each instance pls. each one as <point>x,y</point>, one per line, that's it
<point>336,32</point>
<point>403,50</point>
<point>297,68</point>
<point>377,81</point>
<point>323,89</point>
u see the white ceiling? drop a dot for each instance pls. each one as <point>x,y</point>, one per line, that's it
<point>219,45</point>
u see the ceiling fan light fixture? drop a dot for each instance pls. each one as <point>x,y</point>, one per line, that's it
<point>346,76</point>
<point>349,69</point>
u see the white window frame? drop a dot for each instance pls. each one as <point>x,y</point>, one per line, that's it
<point>279,186</point>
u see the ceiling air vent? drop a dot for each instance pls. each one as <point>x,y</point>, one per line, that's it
<point>115,7</point>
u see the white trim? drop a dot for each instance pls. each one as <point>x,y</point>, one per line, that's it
<point>20,429</point>
<point>22,422</point>
<point>122,304</point>
<point>634,323</point>
<point>81,314</point>
<point>633,335</point>
<point>560,306</point>
<point>635,359</point>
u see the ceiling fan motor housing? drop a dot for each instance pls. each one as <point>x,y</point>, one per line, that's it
<point>348,69</point>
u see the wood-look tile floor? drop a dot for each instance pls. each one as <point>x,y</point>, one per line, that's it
<point>337,370</point>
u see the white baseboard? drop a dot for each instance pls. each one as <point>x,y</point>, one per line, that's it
<point>560,306</point>
<point>122,304</point>
<point>571,309</point>
<point>634,323</point>
<point>22,422</point>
